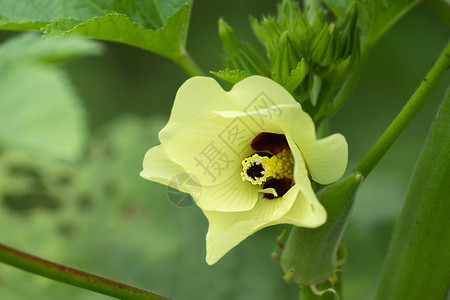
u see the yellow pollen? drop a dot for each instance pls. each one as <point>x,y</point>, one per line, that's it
<point>258,169</point>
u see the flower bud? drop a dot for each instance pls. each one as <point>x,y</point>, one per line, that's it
<point>310,255</point>
<point>323,45</point>
<point>285,59</point>
<point>240,57</point>
<point>229,40</point>
<point>347,35</point>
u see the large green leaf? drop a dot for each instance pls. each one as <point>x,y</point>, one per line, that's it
<point>39,111</point>
<point>159,26</point>
<point>150,14</point>
<point>168,41</point>
<point>417,265</point>
<point>33,14</point>
<point>375,16</point>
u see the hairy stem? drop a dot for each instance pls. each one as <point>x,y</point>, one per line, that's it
<point>406,115</point>
<point>71,276</point>
<point>188,64</point>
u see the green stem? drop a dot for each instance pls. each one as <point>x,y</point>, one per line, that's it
<point>406,115</point>
<point>71,276</point>
<point>188,64</point>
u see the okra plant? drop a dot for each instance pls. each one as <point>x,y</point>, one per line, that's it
<point>247,146</point>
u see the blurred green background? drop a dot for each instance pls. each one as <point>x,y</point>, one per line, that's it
<point>98,215</point>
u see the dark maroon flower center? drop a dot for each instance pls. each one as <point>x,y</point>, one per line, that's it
<point>280,185</point>
<point>272,142</point>
<point>269,144</point>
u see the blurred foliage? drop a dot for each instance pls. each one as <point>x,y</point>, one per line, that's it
<point>39,110</point>
<point>96,214</point>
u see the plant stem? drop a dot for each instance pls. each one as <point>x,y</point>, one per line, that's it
<point>71,276</point>
<point>188,64</point>
<point>406,115</point>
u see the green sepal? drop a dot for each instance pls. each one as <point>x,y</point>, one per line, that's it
<point>241,56</point>
<point>347,34</point>
<point>229,41</point>
<point>289,19</point>
<point>331,47</point>
<point>320,44</point>
<point>268,32</point>
<point>317,16</point>
<point>336,9</point>
<point>287,13</point>
<point>285,59</point>
<point>232,76</point>
<point>297,76</point>
<point>311,255</point>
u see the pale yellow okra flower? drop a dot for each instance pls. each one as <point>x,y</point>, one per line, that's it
<point>252,151</point>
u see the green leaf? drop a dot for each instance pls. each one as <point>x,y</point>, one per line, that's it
<point>375,16</point>
<point>296,77</point>
<point>39,111</point>
<point>417,265</point>
<point>33,14</point>
<point>158,26</point>
<point>233,76</point>
<point>169,41</point>
<point>150,14</point>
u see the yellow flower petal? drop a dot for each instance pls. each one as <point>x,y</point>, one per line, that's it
<point>257,92</point>
<point>159,168</point>
<point>296,123</point>
<point>303,214</point>
<point>326,158</point>
<point>308,211</point>
<point>232,195</point>
<point>210,132</point>
<point>226,230</point>
<point>264,120</point>
<point>190,139</point>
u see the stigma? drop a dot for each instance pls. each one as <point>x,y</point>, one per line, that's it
<point>259,167</point>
